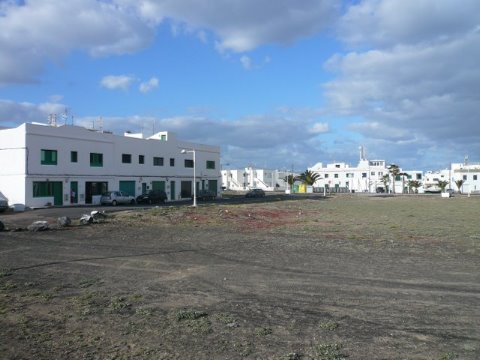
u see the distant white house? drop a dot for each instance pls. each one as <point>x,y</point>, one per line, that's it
<point>63,165</point>
<point>469,173</point>
<point>250,178</point>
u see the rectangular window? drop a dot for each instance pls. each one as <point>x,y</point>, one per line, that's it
<point>163,137</point>
<point>42,189</point>
<point>474,177</point>
<point>127,158</point>
<point>188,163</point>
<point>419,176</point>
<point>73,156</point>
<point>335,176</point>
<point>326,176</point>
<point>96,160</point>
<point>172,161</point>
<point>364,175</point>
<point>210,164</point>
<point>464,177</point>
<point>48,157</point>
<point>141,159</point>
<point>157,161</point>
<point>372,173</point>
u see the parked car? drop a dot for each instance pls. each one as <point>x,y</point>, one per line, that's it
<point>116,197</point>
<point>3,203</point>
<point>254,193</point>
<point>152,197</point>
<point>205,195</point>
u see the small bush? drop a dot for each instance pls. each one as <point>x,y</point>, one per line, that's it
<point>329,352</point>
<point>190,315</point>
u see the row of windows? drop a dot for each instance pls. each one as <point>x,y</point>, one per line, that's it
<point>49,157</point>
<point>364,175</point>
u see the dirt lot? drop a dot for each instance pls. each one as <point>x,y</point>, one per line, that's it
<point>343,277</point>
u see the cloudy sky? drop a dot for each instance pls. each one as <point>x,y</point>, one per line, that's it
<point>276,84</point>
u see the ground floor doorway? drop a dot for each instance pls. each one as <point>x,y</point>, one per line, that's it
<point>93,188</point>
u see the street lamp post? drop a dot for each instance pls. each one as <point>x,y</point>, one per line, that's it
<point>184,151</point>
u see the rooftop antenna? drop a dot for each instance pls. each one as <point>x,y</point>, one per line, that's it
<point>65,116</point>
<point>362,152</point>
<point>52,119</point>
<point>100,123</point>
<point>465,161</point>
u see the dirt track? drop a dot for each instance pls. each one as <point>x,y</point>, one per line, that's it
<point>263,281</point>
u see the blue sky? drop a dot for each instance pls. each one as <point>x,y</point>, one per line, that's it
<point>274,83</point>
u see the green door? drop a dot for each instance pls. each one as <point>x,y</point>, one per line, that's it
<point>128,187</point>
<point>144,188</point>
<point>74,192</point>
<point>158,185</point>
<point>57,193</point>
<point>212,186</point>
<point>172,190</point>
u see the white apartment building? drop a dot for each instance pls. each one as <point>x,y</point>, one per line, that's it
<point>44,165</point>
<point>469,173</point>
<point>250,178</point>
<point>367,176</point>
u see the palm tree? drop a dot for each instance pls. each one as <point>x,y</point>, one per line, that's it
<point>403,174</point>
<point>415,184</point>
<point>442,184</point>
<point>290,180</point>
<point>459,184</point>
<point>309,177</point>
<point>394,171</point>
<point>385,181</point>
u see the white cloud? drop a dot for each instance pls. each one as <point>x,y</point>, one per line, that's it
<point>242,25</point>
<point>39,31</point>
<point>149,85</point>
<point>246,62</point>
<point>417,82</point>
<point>390,22</point>
<point>115,82</point>
<point>14,113</point>
<point>318,128</point>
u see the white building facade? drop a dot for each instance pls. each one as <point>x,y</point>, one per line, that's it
<point>367,176</point>
<point>67,165</point>
<point>253,178</point>
<point>469,174</point>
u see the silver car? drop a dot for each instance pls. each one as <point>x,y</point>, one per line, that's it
<point>116,197</point>
<point>3,203</point>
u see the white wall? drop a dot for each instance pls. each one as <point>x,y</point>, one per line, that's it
<point>22,158</point>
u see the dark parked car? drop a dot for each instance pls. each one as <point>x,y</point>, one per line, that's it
<point>152,197</point>
<point>205,195</point>
<point>254,193</point>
